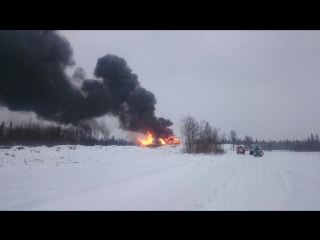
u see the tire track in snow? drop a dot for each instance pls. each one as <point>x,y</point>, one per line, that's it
<point>245,188</point>
<point>223,191</point>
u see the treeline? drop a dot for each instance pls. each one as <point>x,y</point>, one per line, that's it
<point>198,137</point>
<point>30,133</point>
<point>309,144</point>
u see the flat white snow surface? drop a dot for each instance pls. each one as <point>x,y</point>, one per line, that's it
<point>130,178</point>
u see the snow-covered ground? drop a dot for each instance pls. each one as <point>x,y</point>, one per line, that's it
<point>140,178</point>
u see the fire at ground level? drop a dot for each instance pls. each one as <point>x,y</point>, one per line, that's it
<point>151,141</point>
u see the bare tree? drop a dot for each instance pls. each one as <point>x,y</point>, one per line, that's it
<point>103,128</point>
<point>84,131</point>
<point>189,131</point>
<point>94,127</point>
<point>233,138</point>
<point>247,141</point>
<point>200,137</point>
<point>208,141</point>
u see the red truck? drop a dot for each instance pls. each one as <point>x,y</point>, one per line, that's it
<point>241,150</point>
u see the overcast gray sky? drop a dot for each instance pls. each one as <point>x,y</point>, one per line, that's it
<point>263,84</point>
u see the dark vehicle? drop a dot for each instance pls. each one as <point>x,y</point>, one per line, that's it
<point>257,153</point>
<point>254,147</point>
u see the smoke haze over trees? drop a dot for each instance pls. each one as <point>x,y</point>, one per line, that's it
<point>35,133</point>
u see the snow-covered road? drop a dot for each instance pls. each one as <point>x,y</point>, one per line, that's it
<point>136,178</point>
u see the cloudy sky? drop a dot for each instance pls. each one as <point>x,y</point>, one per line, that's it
<point>263,84</point>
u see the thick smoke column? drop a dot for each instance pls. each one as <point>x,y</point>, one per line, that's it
<point>32,78</point>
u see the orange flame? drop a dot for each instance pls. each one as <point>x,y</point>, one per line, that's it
<point>172,140</point>
<point>150,140</point>
<point>147,141</point>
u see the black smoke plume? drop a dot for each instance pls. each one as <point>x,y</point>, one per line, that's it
<point>33,78</point>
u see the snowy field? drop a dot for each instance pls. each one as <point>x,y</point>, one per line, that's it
<point>135,178</point>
